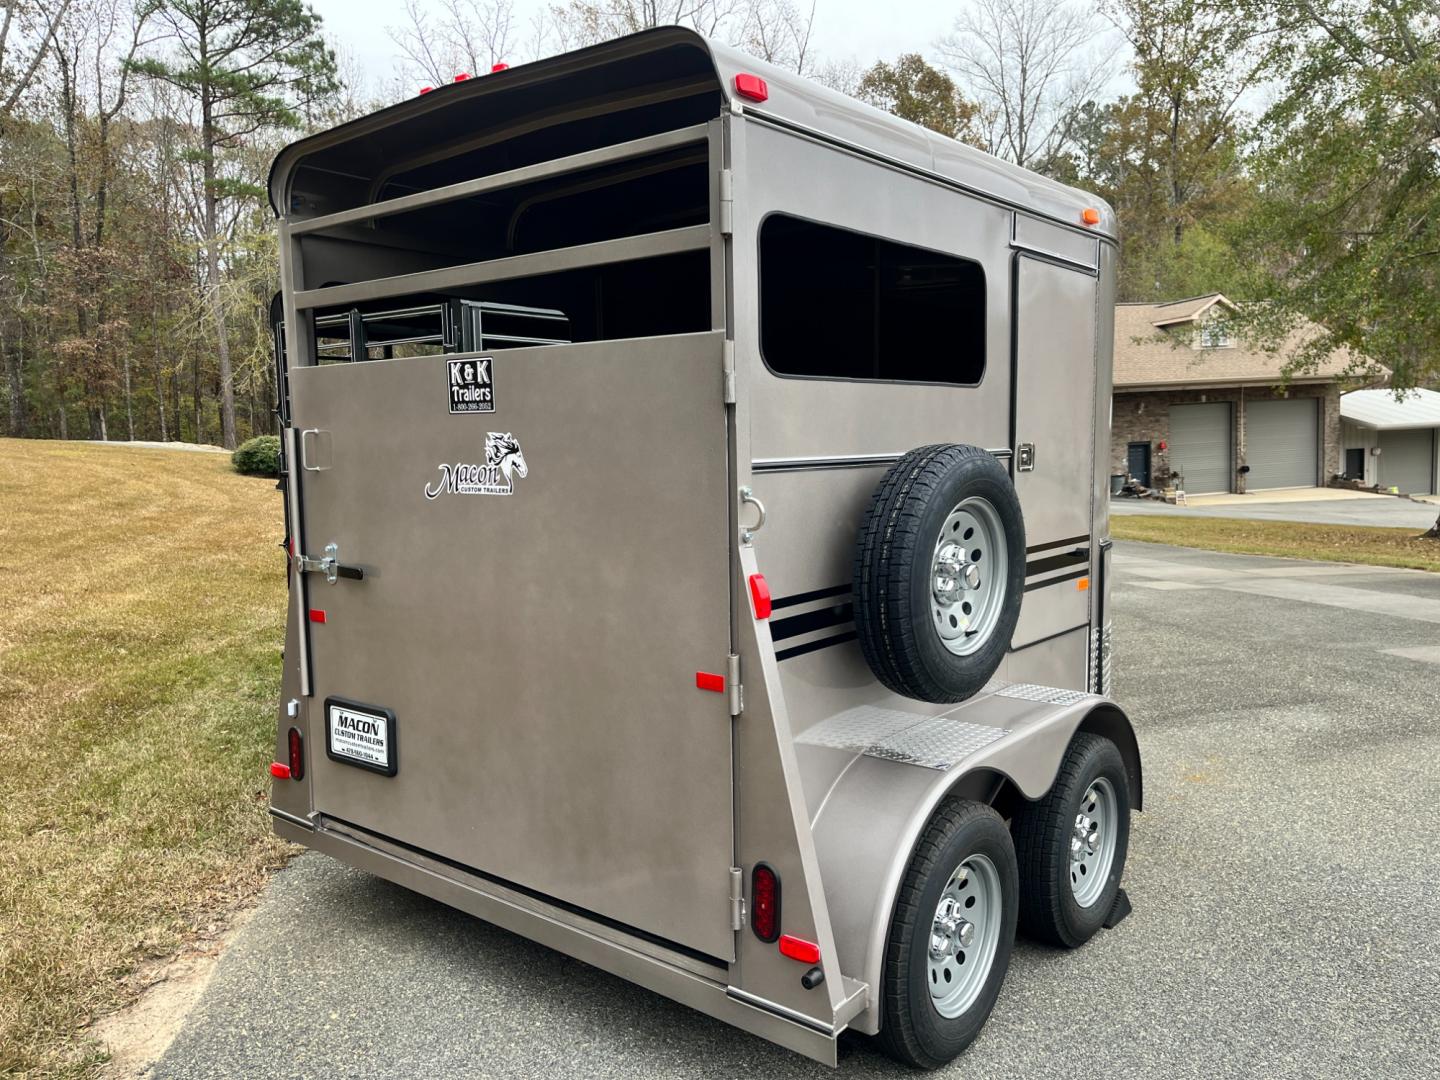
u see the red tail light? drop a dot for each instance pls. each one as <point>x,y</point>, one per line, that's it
<point>765,902</point>
<point>297,754</point>
<point>807,952</point>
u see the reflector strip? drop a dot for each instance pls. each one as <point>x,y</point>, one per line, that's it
<point>707,681</point>
<point>280,770</point>
<point>760,595</point>
<point>807,952</point>
<point>1083,584</point>
<point>317,615</point>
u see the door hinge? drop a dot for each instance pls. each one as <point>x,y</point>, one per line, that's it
<point>732,681</point>
<point>727,202</point>
<point>737,898</point>
<point>727,366</point>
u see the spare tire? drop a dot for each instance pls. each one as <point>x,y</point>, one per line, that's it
<point>939,573</point>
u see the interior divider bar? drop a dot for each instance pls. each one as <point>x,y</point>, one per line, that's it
<point>511,178</point>
<point>645,246</point>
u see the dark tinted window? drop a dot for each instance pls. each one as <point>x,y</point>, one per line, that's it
<point>836,304</point>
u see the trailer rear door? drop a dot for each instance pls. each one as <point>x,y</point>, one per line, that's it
<point>542,584</point>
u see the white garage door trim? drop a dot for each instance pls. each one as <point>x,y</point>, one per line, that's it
<point>1282,443</point>
<point>1200,445</point>
<point>1407,460</point>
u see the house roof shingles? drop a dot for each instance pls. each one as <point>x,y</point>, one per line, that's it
<point>1147,356</point>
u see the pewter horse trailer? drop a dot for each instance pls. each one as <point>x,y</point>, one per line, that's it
<point>696,496</point>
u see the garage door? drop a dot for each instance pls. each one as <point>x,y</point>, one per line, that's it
<point>1282,443</point>
<point>1407,461</point>
<point>1200,446</point>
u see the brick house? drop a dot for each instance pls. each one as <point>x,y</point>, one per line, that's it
<point>1193,404</point>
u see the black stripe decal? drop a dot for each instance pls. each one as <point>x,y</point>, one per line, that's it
<point>1072,541</point>
<point>811,646</point>
<point>1056,580</point>
<point>806,597</point>
<point>1057,562</point>
<point>796,625</point>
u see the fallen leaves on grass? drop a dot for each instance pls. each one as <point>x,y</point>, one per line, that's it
<point>1327,543</point>
<point>141,619</point>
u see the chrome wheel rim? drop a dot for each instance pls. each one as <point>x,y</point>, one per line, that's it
<point>964,936</point>
<point>1092,841</point>
<point>967,576</point>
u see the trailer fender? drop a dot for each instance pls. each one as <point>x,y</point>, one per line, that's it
<point>868,823</point>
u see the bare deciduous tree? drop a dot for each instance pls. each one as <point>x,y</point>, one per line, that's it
<point>1030,64</point>
<point>26,29</point>
<point>465,36</point>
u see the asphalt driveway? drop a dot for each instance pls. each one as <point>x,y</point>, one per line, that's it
<point>1284,878</point>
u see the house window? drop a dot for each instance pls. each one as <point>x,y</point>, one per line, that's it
<point>836,304</point>
<point>1214,334</point>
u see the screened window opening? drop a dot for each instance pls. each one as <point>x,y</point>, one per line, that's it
<point>836,304</point>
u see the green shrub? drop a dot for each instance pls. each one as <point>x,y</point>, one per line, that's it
<point>259,456</point>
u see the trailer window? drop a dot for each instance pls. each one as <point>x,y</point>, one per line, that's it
<point>836,304</point>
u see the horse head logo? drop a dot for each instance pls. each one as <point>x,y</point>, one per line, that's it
<point>503,451</point>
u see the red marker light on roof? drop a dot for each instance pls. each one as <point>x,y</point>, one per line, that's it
<point>760,595</point>
<point>425,90</point>
<point>807,952</point>
<point>462,76</point>
<point>498,67</point>
<point>752,87</point>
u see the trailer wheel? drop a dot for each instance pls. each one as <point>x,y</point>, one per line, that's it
<point>950,936</point>
<point>939,573</point>
<point>1072,844</point>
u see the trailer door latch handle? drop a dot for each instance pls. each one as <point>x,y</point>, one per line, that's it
<point>329,565</point>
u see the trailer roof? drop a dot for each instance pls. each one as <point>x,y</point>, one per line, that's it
<point>793,102</point>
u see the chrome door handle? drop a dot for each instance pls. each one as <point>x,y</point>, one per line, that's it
<point>304,458</point>
<point>748,533</point>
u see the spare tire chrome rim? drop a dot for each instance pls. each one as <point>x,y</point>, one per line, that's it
<point>964,936</point>
<point>968,576</point>
<point>1092,841</point>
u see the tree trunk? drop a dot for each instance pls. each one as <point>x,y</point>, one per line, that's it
<point>129,405</point>
<point>212,269</point>
<point>160,402</point>
<point>199,403</point>
<point>15,381</point>
<point>1434,531</point>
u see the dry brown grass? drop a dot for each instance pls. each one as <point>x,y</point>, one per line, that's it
<point>141,618</point>
<point>1328,543</point>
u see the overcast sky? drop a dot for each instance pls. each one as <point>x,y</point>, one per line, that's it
<point>864,30</point>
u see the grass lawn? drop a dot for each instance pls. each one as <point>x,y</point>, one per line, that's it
<point>141,619</point>
<point>1329,543</point>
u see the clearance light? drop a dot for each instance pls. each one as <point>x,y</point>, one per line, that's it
<point>705,680</point>
<point>1090,216</point>
<point>765,902</point>
<point>752,87</point>
<point>760,595</point>
<point>280,770</point>
<point>426,89</point>
<point>462,76</point>
<point>807,952</point>
<point>499,67</point>
<point>1083,584</point>
<point>297,754</point>
<point>317,615</point>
